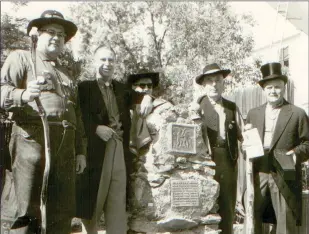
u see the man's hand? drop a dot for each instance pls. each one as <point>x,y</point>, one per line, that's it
<point>194,111</point>
<point>33,90</point>
<point>248,127</point>
<point>292,154</point>
<point>104,132</point>
<point>146,106</point>
<point>139,89</point>
<point>80,163</point>
<point>244,143</point>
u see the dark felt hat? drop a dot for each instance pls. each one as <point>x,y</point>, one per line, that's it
<point>53,17</point>
<point>271,71</point>
<point>154,76</point>
<point>211,69</point>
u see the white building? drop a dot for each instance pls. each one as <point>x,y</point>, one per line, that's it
<point>288,43</point>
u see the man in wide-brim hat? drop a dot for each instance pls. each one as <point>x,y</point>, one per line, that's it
<point>145,77</point>
<point>212,69</point>
<point>20,203</point>
<point>144,82</point>
<point>222,121</point>
<point>53,17</point>
<point>281,126</point>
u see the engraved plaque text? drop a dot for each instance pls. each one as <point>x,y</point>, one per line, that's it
<point>184,193</point>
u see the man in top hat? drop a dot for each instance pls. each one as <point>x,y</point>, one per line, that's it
<point>105,105</point>
<point>281,126</point>
<point>221,128</point>
<point>20,202</point>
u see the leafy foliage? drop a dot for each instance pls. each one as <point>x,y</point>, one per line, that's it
<point>67,60</point>
<point>12,37</point>
<point>175,38</point>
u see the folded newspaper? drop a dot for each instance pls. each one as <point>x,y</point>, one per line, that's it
<point>252,143</point>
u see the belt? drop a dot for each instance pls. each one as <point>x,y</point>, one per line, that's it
<point>220,143</point>
<point>63,123</point>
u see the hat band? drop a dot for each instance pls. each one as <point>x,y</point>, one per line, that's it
<point>53,16</point>
<point>211,71</point>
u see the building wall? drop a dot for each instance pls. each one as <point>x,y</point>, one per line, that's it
<point>298,64</point>
<point>299,70</point>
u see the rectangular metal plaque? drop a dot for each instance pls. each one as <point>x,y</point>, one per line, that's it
<point>182,138</point>
<point>184,193</point>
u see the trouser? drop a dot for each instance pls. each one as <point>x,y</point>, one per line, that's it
<point>226,176</point>
<point>266,193</point>
<point>111,199</point>
<point>61,226</point>
<point>20,200</point>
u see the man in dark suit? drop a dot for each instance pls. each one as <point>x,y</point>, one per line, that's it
<point>105,111</point>
<point>283,126</point>
<point>222,122</point>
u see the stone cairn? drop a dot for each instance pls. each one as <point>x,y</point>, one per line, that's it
<point>173,187</point>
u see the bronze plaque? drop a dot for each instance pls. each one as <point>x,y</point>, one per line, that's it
<point>184,193</point>
<point>182,138</point>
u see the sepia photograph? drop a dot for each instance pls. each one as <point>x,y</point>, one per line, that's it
<point>154,117</point>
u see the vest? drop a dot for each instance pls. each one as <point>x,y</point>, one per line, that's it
<point>211,122</point>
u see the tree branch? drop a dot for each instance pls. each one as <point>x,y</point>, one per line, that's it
<point>158,50</point>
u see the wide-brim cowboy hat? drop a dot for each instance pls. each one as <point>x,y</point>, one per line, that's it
<point>154,76</point>
<point>271,71</point>
<point>54,17</point>
<point>211,69</point>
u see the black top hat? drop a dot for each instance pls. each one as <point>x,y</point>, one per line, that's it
<point>271,71</point>
<point>210,69</point>
<point>53,17</point>
<point>154,76</point>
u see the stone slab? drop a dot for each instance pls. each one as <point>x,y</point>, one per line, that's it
<point>181,138</point>
<point>184,193</point>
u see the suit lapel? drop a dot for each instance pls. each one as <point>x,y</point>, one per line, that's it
<point>210,114</point>
<point>260,123</point>
<point>283,119</point>
<point>99,98</point>
<point>118,95</point>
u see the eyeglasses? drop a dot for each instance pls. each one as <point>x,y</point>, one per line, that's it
<point>143,85</point>
<point>54,33</point>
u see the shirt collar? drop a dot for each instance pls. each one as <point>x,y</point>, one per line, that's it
<point>218,102</point>
<point>45,58</point>
<point>278,106</point>
<point>104,83</point>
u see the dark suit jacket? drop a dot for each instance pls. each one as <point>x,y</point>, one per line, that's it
<point>211,125</point>
<point>94,113</point>
<point>291,132</point>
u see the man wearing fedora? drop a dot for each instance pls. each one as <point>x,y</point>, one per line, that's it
<point>20,201</point>
<point>281,126</point>
<point>221,128</point>
<point>105,105</point>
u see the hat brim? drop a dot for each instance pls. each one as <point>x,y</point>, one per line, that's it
<point>273,77</point>
<point>69,27</point>
<point>154,76</point>
<point>199,78</point>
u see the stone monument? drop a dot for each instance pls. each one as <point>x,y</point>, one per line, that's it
<point>173,189</point>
